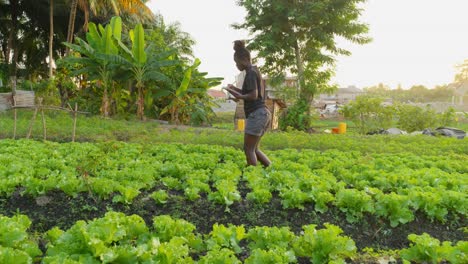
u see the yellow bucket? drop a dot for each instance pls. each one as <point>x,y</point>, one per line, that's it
<point>240,124</point>
<point>342,128</point>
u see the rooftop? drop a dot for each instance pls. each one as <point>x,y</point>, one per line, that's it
<point>350,89</point>
<point>216,93</point>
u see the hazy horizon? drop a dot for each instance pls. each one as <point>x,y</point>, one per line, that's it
<point>416,42</point>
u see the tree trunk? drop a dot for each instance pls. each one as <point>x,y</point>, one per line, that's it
<point>70,34</point>
<point>303,94</point>
<point>4,51</point>
<point>14,71</point>
<point>10,60</point>
<point>140,103</point>
<point>71,24</point>
<point>12,36</point>
<point>51,39</point>
<point>104,84</point>
<point>105,103</point>
<point>300,67</point>
<point>63,94</point>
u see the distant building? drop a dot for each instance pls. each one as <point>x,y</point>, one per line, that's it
<point>290,81</point>
<point>461,93</point>
<point>286,91</point>
<point>342,95</point>
<point>217,95</point>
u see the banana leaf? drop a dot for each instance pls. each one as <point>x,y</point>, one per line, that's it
<point>138,45</point>
<point>187,77</point>
<point>93,37</point>
<point>161,93</point>
<point>116,24</point>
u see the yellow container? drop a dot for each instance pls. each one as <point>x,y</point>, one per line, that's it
<point>240,124</point>
<point>342,128</point>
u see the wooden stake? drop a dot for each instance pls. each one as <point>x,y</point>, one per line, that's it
<point>14,117</point>
<point>43,119</point>
<point>32,123</point>
<point>14,125</point>
<point>75,113</point>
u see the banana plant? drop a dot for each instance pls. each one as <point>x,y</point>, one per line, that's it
<point>189,100</point>
<point>143,64</point>
<point>177,102</point>
<point>91,57</point>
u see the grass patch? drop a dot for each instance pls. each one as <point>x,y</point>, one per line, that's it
<point>96,129</point>
<point>59,127</point>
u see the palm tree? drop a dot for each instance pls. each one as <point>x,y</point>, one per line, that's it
<point>4,28</point>
<point>51,39</point>
<point>71,22</point>
<point>175,38</point>
<point>11,42</point>
<point>120,7</point>
<point>102,7</point>
<point>24,36</point>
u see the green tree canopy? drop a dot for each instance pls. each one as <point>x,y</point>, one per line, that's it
<point>416,93</point>
<point>300,37</point>
<point>297,36</point>
<point>24,29</point>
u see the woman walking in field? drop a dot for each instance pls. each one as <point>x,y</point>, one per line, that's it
<point>257,114</point>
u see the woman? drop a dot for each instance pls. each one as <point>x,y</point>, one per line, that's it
<point>257,114</point>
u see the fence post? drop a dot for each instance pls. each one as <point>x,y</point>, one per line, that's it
<point>75,113</point>
<point>43,119</point>
<point>14,116</point>
<point>32,123</point>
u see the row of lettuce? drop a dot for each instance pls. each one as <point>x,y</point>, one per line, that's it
<point>417,144</point>
<point>118,238</point>
<point>93,129</point>
<point>391,186</point>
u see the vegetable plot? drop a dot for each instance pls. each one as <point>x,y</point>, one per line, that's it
<point>118,238</point>
<point>382,189</point>
<point>392,186</point>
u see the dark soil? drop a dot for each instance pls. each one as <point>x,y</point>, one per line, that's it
<point>59,209</point>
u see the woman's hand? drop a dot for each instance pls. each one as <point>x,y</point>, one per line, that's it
<point>232,90</point>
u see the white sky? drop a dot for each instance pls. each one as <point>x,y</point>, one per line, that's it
<point>414,41</point>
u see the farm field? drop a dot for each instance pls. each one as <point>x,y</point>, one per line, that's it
<point>119,140</point>
<point>325,199</point>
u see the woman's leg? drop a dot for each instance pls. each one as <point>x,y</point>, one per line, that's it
<point>250,145</point>
<point>261,156</point>
<point>256,124</point>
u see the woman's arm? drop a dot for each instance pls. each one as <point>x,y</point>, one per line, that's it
<point>232,87</point>
<point>250,85</point>
<point>251,96</point>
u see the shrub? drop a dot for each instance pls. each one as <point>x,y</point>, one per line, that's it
<point>369,114</point>
<point>296,117</point>
<point>448,117</point>
<point>412,118</point>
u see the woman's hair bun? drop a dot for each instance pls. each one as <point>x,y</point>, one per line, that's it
<point>239,45</point>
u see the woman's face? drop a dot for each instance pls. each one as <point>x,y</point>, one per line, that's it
<point>241,65</point>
